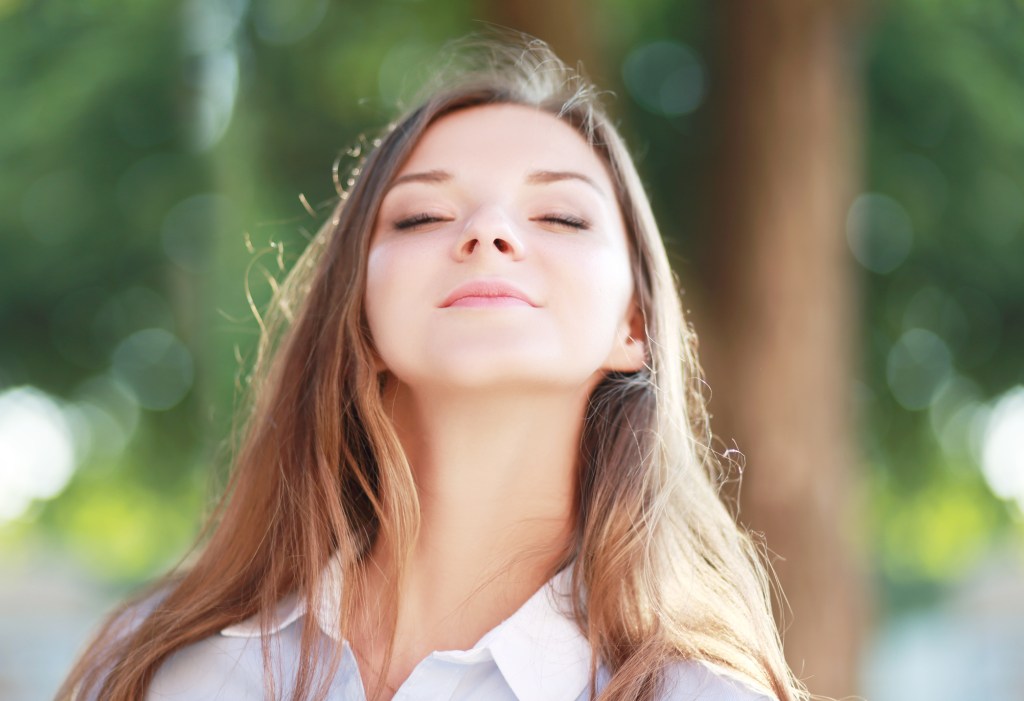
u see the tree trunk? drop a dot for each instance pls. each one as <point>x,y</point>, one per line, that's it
<point>781,309</point>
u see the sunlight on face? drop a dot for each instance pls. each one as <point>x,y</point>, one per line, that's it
<point>499,257</point>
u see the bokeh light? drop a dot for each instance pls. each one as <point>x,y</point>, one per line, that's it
<point>37,449</point>
<point>1003,450</point>
<point>917,366</point>
<point>156,366</point>
<point>187,230</point>
<point>665,77</point>
<point>879,232</point>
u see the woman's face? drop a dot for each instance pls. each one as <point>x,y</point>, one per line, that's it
<point>499,258</point>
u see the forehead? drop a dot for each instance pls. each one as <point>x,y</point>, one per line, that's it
<point>506,139</point>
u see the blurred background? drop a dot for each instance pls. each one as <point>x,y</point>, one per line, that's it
<point>841,185</point>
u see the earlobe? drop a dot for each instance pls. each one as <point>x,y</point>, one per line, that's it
<point>630,352</point>
<point>378,363</point>
<point>634,355</point>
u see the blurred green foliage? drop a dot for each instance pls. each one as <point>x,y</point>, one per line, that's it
<point>944,141</point>
<point>145,143</point>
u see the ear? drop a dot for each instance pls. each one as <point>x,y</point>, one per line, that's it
<point>629,353</point>
<point>378,362</point>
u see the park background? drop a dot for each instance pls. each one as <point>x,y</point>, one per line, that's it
<point>841,186</point>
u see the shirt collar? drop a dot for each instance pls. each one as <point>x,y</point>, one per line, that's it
<point>539,649</point>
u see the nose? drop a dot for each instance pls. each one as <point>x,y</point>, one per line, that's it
<point>486,232</point>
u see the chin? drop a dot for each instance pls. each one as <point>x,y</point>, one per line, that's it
<point>491,372</point>
<point>495,372</point>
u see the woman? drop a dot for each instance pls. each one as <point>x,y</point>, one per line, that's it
<point>477,462</point>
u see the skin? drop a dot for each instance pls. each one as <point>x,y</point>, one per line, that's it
<point>488,401</point>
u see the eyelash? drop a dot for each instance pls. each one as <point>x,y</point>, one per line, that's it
<point>416,220</point>
<point>567,220</point>
<point>421,219</point>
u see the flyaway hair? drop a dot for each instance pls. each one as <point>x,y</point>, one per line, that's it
<point>661,570</point>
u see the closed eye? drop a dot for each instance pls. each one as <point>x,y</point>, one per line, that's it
<point>417,220</point>
<point>566,220</point>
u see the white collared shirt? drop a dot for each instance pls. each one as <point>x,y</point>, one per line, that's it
<point>537,654</point>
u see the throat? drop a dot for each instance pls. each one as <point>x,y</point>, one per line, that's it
<point>437,614</point>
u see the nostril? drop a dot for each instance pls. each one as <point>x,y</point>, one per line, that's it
<point>502,246</point>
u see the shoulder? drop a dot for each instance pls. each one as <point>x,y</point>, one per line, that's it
<point>225,666</point>
<point>217,667</point>
<point>229,665</point>
<point>689,680</point>
<point>111,639</point>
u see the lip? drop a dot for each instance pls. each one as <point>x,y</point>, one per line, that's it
<point>487,293</point>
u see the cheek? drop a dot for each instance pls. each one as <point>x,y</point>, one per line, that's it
<point>598,293</point>
<point>384,294</point>
<point>398,302</point>
<point>376,273</point>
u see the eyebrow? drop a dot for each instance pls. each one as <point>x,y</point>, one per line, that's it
<point>430,176</point>
<point>537,177</point>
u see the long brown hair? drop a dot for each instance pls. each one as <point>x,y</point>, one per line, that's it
<point>320,473</point>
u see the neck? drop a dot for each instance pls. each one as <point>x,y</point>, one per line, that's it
<point>496,477</point>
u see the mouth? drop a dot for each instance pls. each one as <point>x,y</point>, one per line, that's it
<point>487,293</point>
<point>488,301</point>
